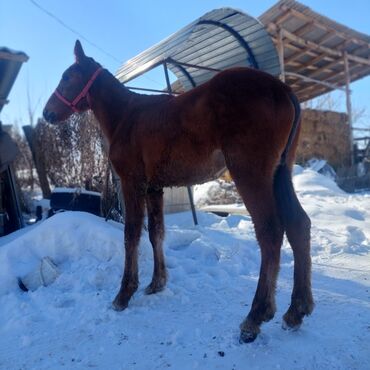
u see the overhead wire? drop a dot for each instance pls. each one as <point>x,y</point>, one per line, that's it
<point>63,24</point>
<point>66,26</point>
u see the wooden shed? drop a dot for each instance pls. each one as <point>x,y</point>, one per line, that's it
<point>317,55</point>
<point>10,212</point>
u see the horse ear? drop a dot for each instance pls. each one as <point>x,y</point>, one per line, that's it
<point>79,53</point>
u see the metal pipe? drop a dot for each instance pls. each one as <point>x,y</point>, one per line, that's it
<point>251,58</point>
<point>173,61</point>
<point>151,90</point>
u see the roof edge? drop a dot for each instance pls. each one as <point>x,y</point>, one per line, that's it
<point>17,56</point>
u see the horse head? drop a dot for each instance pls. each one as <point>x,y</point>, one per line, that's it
<point>71,94</point>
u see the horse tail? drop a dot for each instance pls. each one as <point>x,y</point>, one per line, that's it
<point>295,126</point>
<point>288,205</point>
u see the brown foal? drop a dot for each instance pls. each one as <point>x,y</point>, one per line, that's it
<point>243,119</point>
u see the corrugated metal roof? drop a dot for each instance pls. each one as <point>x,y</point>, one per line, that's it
<point>315,46</point>
<point>10,64</point>
<point>221,39</point>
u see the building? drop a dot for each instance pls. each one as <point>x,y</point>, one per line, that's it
<point>10,212</point>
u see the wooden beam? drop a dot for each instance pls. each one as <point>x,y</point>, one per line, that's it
<point>337,75</point>
<point>296,56</point>
<point>324,49</point>
<point>324,38</point>
<point>323,26</point>
<point>321,57</point>
<point>348,103</point>
<point>315,70</point>
<point>359,49</point>
<point>321,41</point>
<point>319,90</point>
<point>362,73</point>
<point>313,61</point>
<point>319,82</point>
<point>338,79</point>
<point>347,88</point>
<point>325,68</point>
<point>283,17</point>
<point>280,49</point>
<point>289,45</point>
<point>344,44</point>
<point>303,29</point>
<point>314,91</point>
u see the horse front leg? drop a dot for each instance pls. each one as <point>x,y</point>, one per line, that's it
<point>154,200</point>
<point>134,207</point>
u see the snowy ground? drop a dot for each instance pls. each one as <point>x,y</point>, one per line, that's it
<point>193,324</point>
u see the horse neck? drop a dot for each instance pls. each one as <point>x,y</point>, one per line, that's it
<point>108,99</point>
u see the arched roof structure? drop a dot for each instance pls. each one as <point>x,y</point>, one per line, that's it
<point>221,39</point>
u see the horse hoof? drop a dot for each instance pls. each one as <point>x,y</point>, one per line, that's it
<point>247,337</point>
<point>292,320</point>
<point>289,326</point>
<point>154,288</point>
<point>119,306</point>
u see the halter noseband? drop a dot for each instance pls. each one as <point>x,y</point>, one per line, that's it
<point>81,95</point>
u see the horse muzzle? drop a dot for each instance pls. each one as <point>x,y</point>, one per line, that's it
<point>50,117</point>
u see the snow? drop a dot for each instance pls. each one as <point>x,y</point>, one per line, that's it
<point>194,323</point>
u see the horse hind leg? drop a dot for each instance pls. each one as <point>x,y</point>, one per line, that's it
<point>297,226</point>
<point>256,190</point>
<point>154,200</point>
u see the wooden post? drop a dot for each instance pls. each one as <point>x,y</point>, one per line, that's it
<point>349,104</point>
<point>39,161</point>
<point>280,46</point>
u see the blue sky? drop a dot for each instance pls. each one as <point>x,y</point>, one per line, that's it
<point>123,29</point>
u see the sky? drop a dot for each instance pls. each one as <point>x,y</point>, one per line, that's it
<point>123,29</point>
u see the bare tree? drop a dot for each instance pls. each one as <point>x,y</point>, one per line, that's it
<point>23,164</point>
<point>75,155</point>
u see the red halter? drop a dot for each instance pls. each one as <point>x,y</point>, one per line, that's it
<point>81,95</point>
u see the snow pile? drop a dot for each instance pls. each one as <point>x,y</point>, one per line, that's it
<point>311,182</point>
<point>193,324</point>
<point>321,166</point>
<point>318,177</point>
<point>216,192</point>
<point>64,238</point>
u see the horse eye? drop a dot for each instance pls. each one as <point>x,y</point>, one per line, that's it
<point>65,78</point>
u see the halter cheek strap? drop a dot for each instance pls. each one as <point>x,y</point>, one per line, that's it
<point>81,95</point>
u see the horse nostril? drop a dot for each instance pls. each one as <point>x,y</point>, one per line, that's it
<point>52,117</point>
<point>49,116</point>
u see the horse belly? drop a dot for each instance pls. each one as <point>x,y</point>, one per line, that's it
<point>178,171</point>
